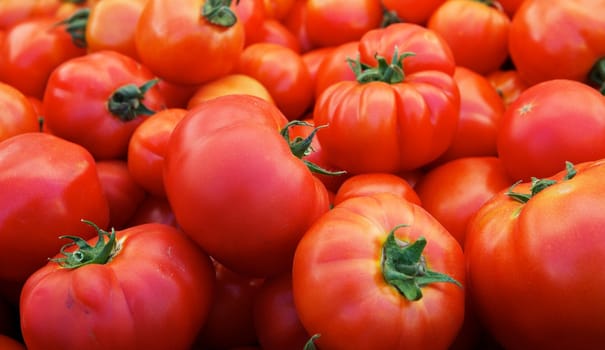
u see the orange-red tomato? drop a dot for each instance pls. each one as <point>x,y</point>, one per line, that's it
<point>18,113</point>
<point>413,11</point>
<point>228,85</point>
<point>508,83</point>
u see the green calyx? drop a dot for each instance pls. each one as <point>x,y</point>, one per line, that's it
<point>86,254</point>
<point>219,12</point>
<point>76,26</point>
<point>310,344</point>
<point>404,267</point>
<point>126,102</point>
<point>537,185</point>
<point>597,75</point>
<point>301,147</point>
<point>391,73</point>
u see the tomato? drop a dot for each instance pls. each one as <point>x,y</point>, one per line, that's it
<point>97,101</point>
<point>333,67</point>
<point>123,193</point>
<point>283,72</point>
<point>153,209</point>
<point>229,84</point>
<point>18,113</point>
<point>144,287</point>
<point>360,278</point>
<point>171,38</point>
<point>275,317</point>
<point>147,149</point>
<point>31,50</point>
<point>10,343</point>
<point>13,12</point>
<point>111,25</point>
<point>328,25</point>
<point>48,185</point>
<point>508,83</point>
<point>251,14</point>
<point>481,109</point>
<point>413,11</point>
<point>510,6</point>
<point>370,183</point>
<point>278,9</point>
<point>475,30</point>
<point>453,191</point>
<point>229,170</point>
<point>400,114</point>
<point>534,257</point>
<point>176,95</point>
<point>230,320</point>
<point>276,32</point>
<point>551,122</point>
<point>557,39</point>
<point>295,21</point>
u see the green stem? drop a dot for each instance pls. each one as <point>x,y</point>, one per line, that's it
<point>86,254</point>
<point>391,73</point>
<point>310,344</point>
<point>126,102</point>
<point>538,185</point>
<point>597,74</point>
<point>219,12</point>
<point>76,26</point>
<point>404,267</point>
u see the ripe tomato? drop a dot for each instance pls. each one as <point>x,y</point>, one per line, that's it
<point>283,72</point>
<point>476,31</point>
<point>172,36</point>
<point>333,67</point>
<point>18,113</point>
<point>413,11</point>
<point>228,170</point>
<point>153,209</point>
<point>147,149</point>
<point>534,258</point>
<point>13,12</point>
<point>144,287</point>
<point>97,101</point>
<point>48,185</point>
<point>370,183</point>
<point>295,21</point>
<point>31,50</point>
<point>557,39</point>
<point>508,83</point>
<point>251,14</point>
<point>373,272</point>
<point>10,343</point>
<point>276,32</point>
<point>229,84</point>
<point>551,122</point>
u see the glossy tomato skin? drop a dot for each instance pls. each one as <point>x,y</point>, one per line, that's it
<point>274,31</point>
<point>77,95</point>
<point>557,39</point>
<point>171,37</point>
<point>228,158</point>
<point>229,84</point>
<point>568,116</point>
<point>107,306</point>
<point>338,264</point>
<point>547,254</point>
<point>18,113</point>
<point>252,14</point>
<point>413,11</point>
<point>507,83</point>
<point>48,185</point>
<point>371,183</point>
<point>31,50</point>
<point>13,12</point>
<point>334,68</point>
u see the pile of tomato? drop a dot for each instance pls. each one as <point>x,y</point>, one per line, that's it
<point>302,174</point>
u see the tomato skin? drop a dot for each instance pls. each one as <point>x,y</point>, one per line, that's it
<point>333,67</point>
<point>476,32</point>
<point>18,113</point>
<point>295,21</point>
<point>31,50</point>
<point>370,183</point>
<point>276,32</point>
<point>153,209</point>
<point>338,263</point>
<point>283,72</point>
<point>81,115</point>
<point>106,306</point>
<point>172,36</point>
<point>568,115</point>
<point>48,185</point>
<point>545,252</point>
<point>557,39</point>
<point>229,84</point>
<point>252,14</point>
<point>147,149</point>
<point>413,11</point>
<point>245,182</point>
<point>9,343</point>
<point>508,84</point>
<point>13,12</point>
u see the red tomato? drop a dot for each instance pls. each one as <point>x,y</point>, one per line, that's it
<point>229,84</point>
<point>176,95</point>
<point>371,183</point>
<point>147,149</point>
<point>31,50</point>
<point>333,67</point>
<point>48,185</point>
<point>145,287</point>
<point>452,192</point>
<point>476,31</point>
<point>18,113</point>
<point>251,14</point>
<point>358,285</point>
<point>118,95</point>
<point>153,209</point>
<point>10,343</point>
<point>228,170</point>
<point>557,39</point>
<point>274,31</point>
<point>172,36</point>
<point>481,109</point>
<point>123,193</point>
<point>392,118</point>
<point>13,12</point>
<point>534,258</point>
<point>278,9</point>
<point>283,72</point>
<point>328,24</point>
<point>508,83</point>
<point>550,123</point>
<point>413,11</point>
<point>295,21</point>
<point>275,317</point>
<point>230,321</point>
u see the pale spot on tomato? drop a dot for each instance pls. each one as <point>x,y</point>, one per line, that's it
<point>525,109</point>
